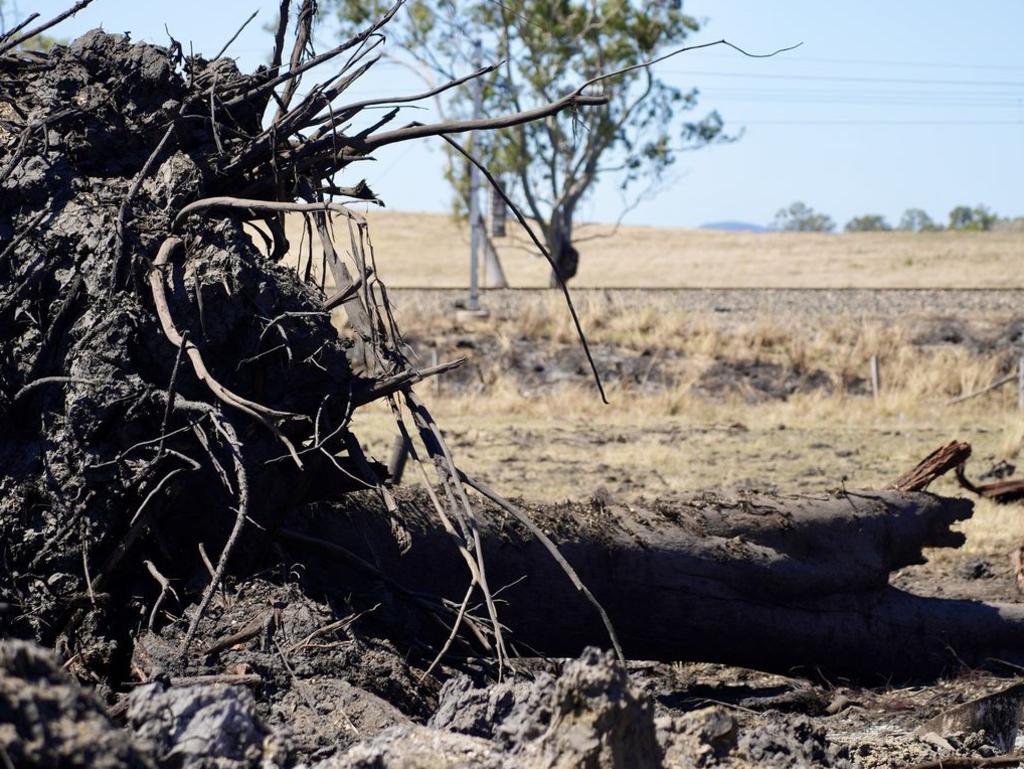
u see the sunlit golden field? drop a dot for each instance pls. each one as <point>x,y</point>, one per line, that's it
<point>431,250</point>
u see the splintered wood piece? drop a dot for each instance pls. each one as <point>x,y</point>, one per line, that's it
<point>998,715</point>
<point>936,464</point>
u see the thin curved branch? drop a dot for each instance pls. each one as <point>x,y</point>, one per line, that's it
<point>234,37</point>
<point>312,153</point>
<point>227,432</point>
<point>263,414</point>
<point>676,52</point>
<point>14,43</point>
<point>552,548</point>
<point>536,241</point>
<point>282,29</point>
<point>359,105</point>
<point>315,60</point>
<point>303,34</point>
<point>16,29</point>
<point>253,204</point>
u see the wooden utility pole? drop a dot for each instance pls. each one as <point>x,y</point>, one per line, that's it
<point>1020,382</point>
<point>475,219</point>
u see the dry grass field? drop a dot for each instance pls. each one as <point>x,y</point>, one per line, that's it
<point>757,389</point>
<point>430,251</point>
<point>717,387</point>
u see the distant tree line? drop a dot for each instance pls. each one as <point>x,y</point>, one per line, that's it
<point>799,217</point>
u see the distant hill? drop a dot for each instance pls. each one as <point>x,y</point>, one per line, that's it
<point>734,227</point>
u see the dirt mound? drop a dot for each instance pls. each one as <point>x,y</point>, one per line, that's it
<point>48,721</point>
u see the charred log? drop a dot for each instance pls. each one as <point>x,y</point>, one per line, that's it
<point>772,582</point>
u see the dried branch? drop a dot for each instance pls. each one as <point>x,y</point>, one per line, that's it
<point>230,437</point>
<point>552,548</point>
<point>385,387</point>
<point>263,414</point>
<point>263,88</point>
<point>282,28</point>
<point>547,255</point>
<point>676,52</point>
<point>10,44</point>
<point>235,36</point>
<point>303,34</point>
<point>251,204</point>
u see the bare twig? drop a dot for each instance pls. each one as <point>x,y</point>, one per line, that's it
<point>226,430</point>
<point>552,548</point>
<point>303,33</point>
<point>55,380</point>
<point>20,26</point>
<point>452,635</point>
<point>165,587</point>
<point>994,386</point>
<point>170,393</point>
<point>10,44</point>
<point>547,255</point>
<point>282,28</point>
<point>232,679</point>
<point>122,214</point>
<point>390,385</point>
<point>235,36</point>
<point>676,52</point>
<point>251,204</point>
<point>291,74</point>
<point>262,413</point>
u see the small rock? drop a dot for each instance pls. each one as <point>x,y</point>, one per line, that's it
<point>198,727</point>
<point>977,568</point>
<point>48,720</point>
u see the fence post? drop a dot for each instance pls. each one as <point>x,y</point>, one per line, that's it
<point>1020,382</point>
<point>433,364</point>
<point>399,455</point>
<point>875,380</point>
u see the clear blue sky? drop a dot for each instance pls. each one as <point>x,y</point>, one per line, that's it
<point>888,105</point>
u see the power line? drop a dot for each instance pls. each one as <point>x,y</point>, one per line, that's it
<point>1010,100</point>
<point>827,91</point>
<point>796,59</point>
<point>962,123</point>
<point>864,101</point>
<point>845,79</point>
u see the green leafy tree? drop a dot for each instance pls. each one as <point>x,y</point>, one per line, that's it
<point>548,48</point>
<point>979,218</point>
<point>799,217</point>
<point>868,223</point>
<point>917,220</point>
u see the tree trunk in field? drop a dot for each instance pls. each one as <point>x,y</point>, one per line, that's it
<point>763,581</point>
<point>559,242</point>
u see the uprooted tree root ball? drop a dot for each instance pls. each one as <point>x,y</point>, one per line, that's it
<point>165,384</point>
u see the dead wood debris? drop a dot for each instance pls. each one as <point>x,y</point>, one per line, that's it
<point>935,465</point>
<point>1000,492</point>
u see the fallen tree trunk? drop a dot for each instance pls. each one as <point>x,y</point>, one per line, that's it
<point>764,581</point>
